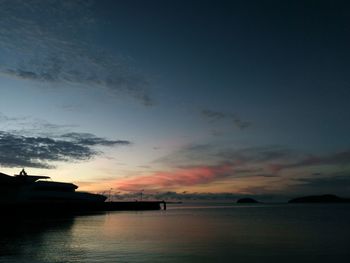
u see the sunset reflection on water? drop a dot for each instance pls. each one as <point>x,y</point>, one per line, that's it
<point>195,234</point>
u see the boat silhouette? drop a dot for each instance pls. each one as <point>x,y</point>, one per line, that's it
<point>32,188</point>
<point>33,193</point>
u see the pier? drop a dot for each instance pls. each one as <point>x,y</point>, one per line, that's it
<point>134,205</point>
<point>59,207</point>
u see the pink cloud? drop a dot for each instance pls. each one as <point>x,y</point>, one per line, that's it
<point>171,179</point>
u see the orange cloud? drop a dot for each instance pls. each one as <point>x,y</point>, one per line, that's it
<point>180,177</point>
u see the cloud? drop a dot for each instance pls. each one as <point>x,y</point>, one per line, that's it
<point>28,126</point>
<point>185,176</point>
<point>270,158</point>
<point>29,75</point>
<point>276,168</point>
<point>213,115</point>
<point>4,118</point>
<point>24,151</point>
<point>261,154</point>
<point>341,158</point>
<point>89,139</point>
<point>216,116</point>
<point>265,170</point>
<point>180,177</point>
<point>209,153</point>
<point>51,42</point>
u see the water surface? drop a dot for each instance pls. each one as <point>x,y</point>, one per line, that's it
<point>185,233</point>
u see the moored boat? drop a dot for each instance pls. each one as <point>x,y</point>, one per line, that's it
<point>25,188</point>
<point>33,194</point>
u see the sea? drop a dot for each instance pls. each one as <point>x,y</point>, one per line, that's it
<point>188,232</point>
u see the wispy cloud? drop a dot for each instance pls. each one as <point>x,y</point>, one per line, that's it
<point>50,41</point>
<point>341,158</point>
<point>28,126</point>
<point>209,153</point>
<point>216,116</point>
<point>88,139</point>
<point>275,165</point>
<point>274,158</point>
<point>197,165</point>
<point>6,119</point>
<point>256,171</point>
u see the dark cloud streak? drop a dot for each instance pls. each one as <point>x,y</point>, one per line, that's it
<point>341,158</point>
<point>89,139</point>
<point>23,151</point>
<point>215,116</point>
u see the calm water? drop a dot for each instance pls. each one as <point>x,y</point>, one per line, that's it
<point>185,233</point>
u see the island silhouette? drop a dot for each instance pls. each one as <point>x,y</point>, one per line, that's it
<point>327,198</point>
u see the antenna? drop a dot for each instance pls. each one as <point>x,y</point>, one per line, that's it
<point>141,193</point>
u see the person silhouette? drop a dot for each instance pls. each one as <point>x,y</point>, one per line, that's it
<point>23,172</point>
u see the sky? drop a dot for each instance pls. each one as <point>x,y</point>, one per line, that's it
<point>187,97</point>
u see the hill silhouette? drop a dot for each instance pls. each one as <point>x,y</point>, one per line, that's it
<point>328,198</point>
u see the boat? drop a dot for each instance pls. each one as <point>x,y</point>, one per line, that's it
<point>35,194</point>
<point>23,188</point>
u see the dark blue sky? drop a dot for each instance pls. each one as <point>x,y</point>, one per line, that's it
<point>282,61</point>
<point>257,84</point>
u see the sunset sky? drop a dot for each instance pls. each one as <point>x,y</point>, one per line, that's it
<point>241,97</point>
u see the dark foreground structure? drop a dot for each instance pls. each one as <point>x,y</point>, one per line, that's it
<point>60,207</point>
<point>32,194</point>
<point>247,200</point>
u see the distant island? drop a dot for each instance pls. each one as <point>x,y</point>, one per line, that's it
<point>247,200</point>
<point>320,199</point>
